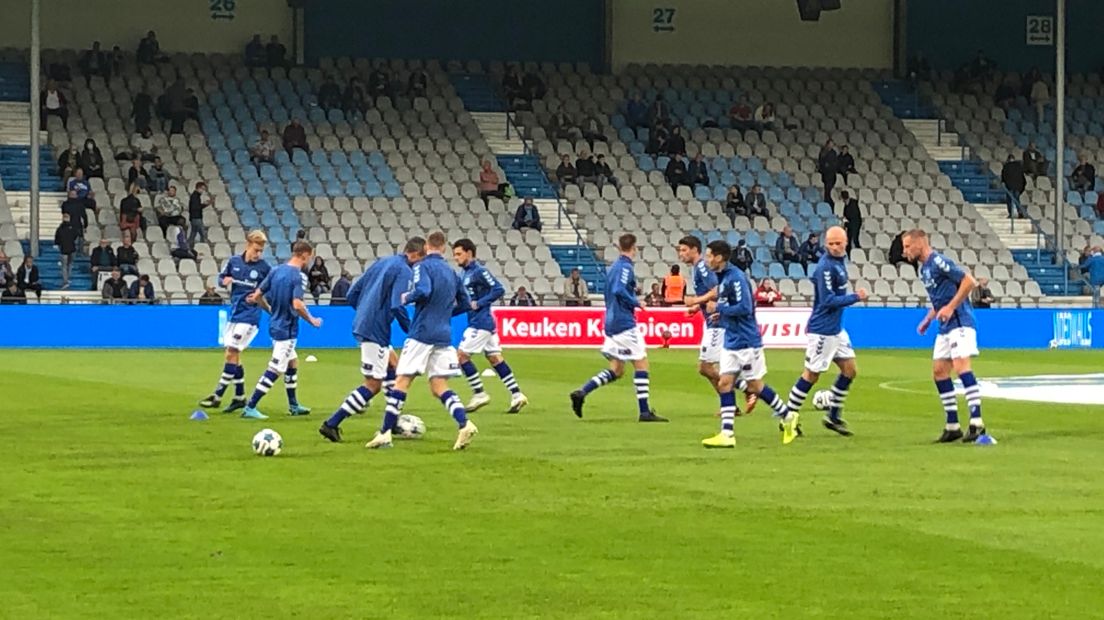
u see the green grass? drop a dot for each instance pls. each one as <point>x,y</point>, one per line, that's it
<point>114,505</point>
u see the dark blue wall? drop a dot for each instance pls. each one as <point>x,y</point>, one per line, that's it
<point>562,31</point>
<point>950,32</point>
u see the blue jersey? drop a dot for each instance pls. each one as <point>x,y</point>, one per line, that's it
<point>283,285</point>
<point>484,290</point>
<point>736,305</point>
<point>620,296</point>
<point>830,296</point>
<point>705,280</point>
<point>941,277</point>
<point>376,295</point>
<point>437,295</point>
<point>247,276</point>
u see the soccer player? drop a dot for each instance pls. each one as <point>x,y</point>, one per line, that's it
<point>437,295</point>
<point>281,293</point>
<point>949,288</point>
<point>828,341</point>
<point>241,274</point>
<point>742,357</point>
<point>480,337</point>
<point>376,295</point>
<point>623,343</point>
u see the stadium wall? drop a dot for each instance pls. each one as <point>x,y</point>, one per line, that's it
<point>181,25</point>
<point>751,32</point>
<point>167,326</point>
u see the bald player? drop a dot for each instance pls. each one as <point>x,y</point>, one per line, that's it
<point>828,341</point>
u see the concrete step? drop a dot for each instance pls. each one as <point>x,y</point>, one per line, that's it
<point>19,203</point>
<point>945,153</point>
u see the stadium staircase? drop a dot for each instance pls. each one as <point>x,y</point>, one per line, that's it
<point>49,267</point>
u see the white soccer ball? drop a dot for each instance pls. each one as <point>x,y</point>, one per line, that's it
<point>822,400</point>
<point>410,427</point>
<point>267,443</point>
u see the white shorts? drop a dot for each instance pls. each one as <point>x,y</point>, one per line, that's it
<point>711,345</point>
<point>238,336</point>
<point>374,359</point>
<point>419,358</point>
<point>283,351</point>
<point>746,364</point>
<point>479,341</point>
<point>956,344</point>
<point>823,350</point>
<point>627,346</point>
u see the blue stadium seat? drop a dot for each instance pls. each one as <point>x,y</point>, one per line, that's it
<point>775,271</point>
<point>758,272</point>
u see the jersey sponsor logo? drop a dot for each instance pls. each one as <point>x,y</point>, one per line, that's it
<point>252,274</point>
<point>624,352</point>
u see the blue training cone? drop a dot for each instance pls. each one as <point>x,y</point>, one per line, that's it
<point>198,415</point>
<point>986,440</point>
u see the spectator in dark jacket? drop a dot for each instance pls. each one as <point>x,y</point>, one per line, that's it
<point>255,55</point>
<point>142,112</point>
<point>757,202</point>
<point>318,278</point>
<point>197,202</point>
<point>341,290</point>
<point>77,211</point>
<point>982,296</point>
<point>1084,175</point>
<point>566,172</point>
<point>65,238</point>
<point>127,257</point>
<point>182,249</point>
<point>593,131</point>
<point>846,163</point>
<point>810,251</point>
<point>68,163</point>
<point>26,277</point>
<point>605,173</point>
<point>785,249</point>
<point>1034,161</point>
<point>657,137</point>
<point>417,85</point>
<point>114,287</point>
<point>659,113</point>
<point>130,213</point>
<point>1012,175</point>
<point>102,258</point>
<point>276,53</point>
<point>329,94</point>
<point>828,166</point>
<point>636,112</point>
<point>742,256</point>
<point>13,295</point>
<point>527,215</point>
<point>675,143</point>
<point>587,169</point>
<point>852,220</point>
<point>137,175</point>
<point>91,160</point>
<point>676,171</point>
<point>295,137</point>
<point>149,50</point>
<point>523,298</point>
<point>379,84</point>
<point>141,290</point>
<point>210,297</point>
<point>734,204</point>
<point>697,173</point>
<point>94,62</point>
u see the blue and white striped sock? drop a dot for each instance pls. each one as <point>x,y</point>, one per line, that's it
<point>389,379</point>
<point>950,402</point>
<point>455,408</point>
<point>598,380</point>
<point>395,401</point>
<point>641,382</point>
<point>228,373</point>
<point>772,399</point>
<point>291,382</point>
<point>728,413</point>
<point>973,397</point>
<point>239,382</point>
<point>471,373</point>
<point>507,376</point>
<point>264,384</point>
<point>354,403</point>
<point>839,396</point>
<point>798,393</point>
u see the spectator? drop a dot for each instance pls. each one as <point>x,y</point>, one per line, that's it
<point>657,137</point>
<point>149,50</point>
<point>785,248</point>
<point>137,175</point>
<point>674,287</point>
<point>210,297</point>
<point>1040,97</point>
<point>636,112</point>
<point>67,164</point>
<point>91,160</point>
<point>767,294</point>
<point>575,290</point>
<point>276,53</point>
<point>918,68</point>
<point>102,259</point>
<point>94,62</point>
<point>675,144</point>
<point>562,127</point>
<point>734,204</point>
<point>142,146</point>
<point>1005,95</point>
<point>593,131</point>
<point>114,287</point>
<point>828,166</point>
<point>264,150</point>
<point>318,278</point>
<point>7,276</point>
<point>355,98</point>
<point>764,117</point>
<point>1093,268</point>
<point>141,290</point>
<point>896,253</point>
<point>52,103</point>
<point>676,171</point>
<point>1033,75</point>
<point>1034,162</point>
<point>159,177</point>
<point>27,277</point>
<point>77,211</point>
<point>565,172</point>
<point>982,67</point>
<point>295,137</point>
<point>742,256</point>
<point>176,109</point>
<point>130,213</point>
<point>1100,205</point>
<point>329,94</point>
<point>511,85</point>
<point>523,298</point>
<point>527,215</point>
<point>655,297</point>
<point>757,202</point>
<point>65,238</point>
<point>697,173</point>
<point>341,290</point>
<point>1012,176</point>
<point>605,174</point>
<point>982,296</point>
<point>417,85</point>
<point>741,116</point>
<point>1084,175</point>
<point>845,165</point>
<point>810,251</point>
<point>710,123</point>
<point>489,187</point>
<point>659,113</point>
<point>13,295</point>
<point>142,111</point>
<point>852,220</point>
<point>170,210</point>
<point>532,87</point>
<point>199,200</point>
<point>587,169</point>
<point>126,257</point>
<point>255,55</point>
<point>182,248</point>
<point>379,84</point>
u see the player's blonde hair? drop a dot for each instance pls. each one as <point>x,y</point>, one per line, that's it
<point>257,236</point>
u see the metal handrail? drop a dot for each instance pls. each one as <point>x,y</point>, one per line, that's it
<point>1043,241</point>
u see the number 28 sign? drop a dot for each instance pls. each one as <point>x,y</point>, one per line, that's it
<point>1040,30</point>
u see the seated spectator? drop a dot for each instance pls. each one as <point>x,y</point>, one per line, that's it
<point>141,290</point>
<point>210,297</point>
<point>264,150</point>
<point>341,289</point>
<point>575,290</point>
<point>130,213</point>
<point>114,287</point>
<point>1005,95</point>
<point>655,297</point>
<point>764,117</point>
<point>566,173</point>
<point>13,295</point>
<point>67,164</point>
<point>734,204</point>
<point>318,278</point>
<point>676,171</point>
<point>740,115</point>
<point>66,238</point>
<point>1012,176</point>
<point>657,137</point>
<point>489,186</point>
<point>673,287</point>
<point>26,277</point>
<point>982,67</point>
<point>1034,161</point>
<point>137,175</point>
<point>142,111</point>
<point>757,202</point>
<point>587,169</point>
<point>170,210</point>
<point>102,258</point>
<point>53,103</point>
<point>295,137</point>
<point>1100,205</point>
<point>379,84</point>
<point>810,252</point>
<point>710,123</point>
<point>562,127</point>
<point>532,86</point>
<point>918,68</point>
<point>1084,175</point>
<point>77,210</point>
<point>593,131</point>
<point>527,215</point>
<point>982,296</point>
<point>94,62</point>
<point>200,200</point>
<point>91,160</point>
<point>523,298</point>
<point>742,256</point>
<point>675,144</point>
<point>126,257</point>
<point>636,112</point>
<point>605,173</point>
<point>159,177</point>
<point>1040,97</point>
<point>697,173</point>
<point>6,274</point>
<point>276,53</point>
<point>355,98</point>
<point>785,249</point>
<point>896,252</point>
<point>329,94</point>
<point>511,85</point>
<point>149,50</point>
<point>767,294</point>
<point>182,249</point>
<point>1093,268</point>
<point>659,113</point>
<point>417,85</point>
<point>845,163</point>
<point>255,54</point>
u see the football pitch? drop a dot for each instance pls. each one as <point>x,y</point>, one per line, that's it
<point>113,504</point>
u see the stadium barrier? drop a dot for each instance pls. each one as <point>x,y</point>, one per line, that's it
<point>168,326</point>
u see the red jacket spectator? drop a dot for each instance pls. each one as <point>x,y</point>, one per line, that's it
<point>766,295</point>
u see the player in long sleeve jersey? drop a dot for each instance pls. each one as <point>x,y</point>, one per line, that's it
<point>742,357</point>
<point>377,297</point>
<point>481,334</point>
<point>949,288</point>
<point>437,295</point>
<point>241,274</point>
<point>623,343</point>
<point>828,342</point>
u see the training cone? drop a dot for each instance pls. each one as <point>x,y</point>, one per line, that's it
<point>311,358</point>
<point>198,415</point>
<point>487,372</point>
<point>986,440</point>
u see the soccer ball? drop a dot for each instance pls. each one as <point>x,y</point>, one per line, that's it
<point>267,443</point>
<point>410,427</point>
<point>822,400</point>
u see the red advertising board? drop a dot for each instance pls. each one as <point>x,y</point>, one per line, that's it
<point>582,327</point>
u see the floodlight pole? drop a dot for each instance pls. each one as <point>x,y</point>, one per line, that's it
<point>35,120</point>
<point>1060,126</point>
